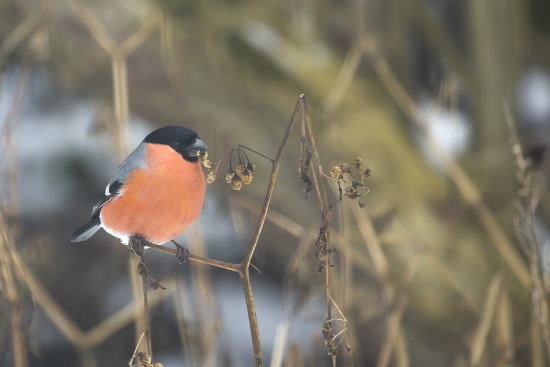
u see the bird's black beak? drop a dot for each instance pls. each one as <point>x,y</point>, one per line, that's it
<point>198,148</point>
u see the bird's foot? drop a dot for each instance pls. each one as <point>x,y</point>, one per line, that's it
<point>136,244</point>
<point>182,253</point>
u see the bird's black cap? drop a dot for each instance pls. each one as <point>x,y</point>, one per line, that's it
<point>183,140</point>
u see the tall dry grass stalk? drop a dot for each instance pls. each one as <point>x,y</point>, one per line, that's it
<point>10,287</point>
<point>529,193</point>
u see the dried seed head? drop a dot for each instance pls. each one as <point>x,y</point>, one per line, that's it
<point>250,167</point>
<point>357,162</point>
<point>336,172</point>
<point>345,168</point>
<point>236,185</point>
<point>229,176</point>
<point>207,163</point>
<point>367,173</point>
<point>143,358</point>
<point>351,193</point>
<point>236,182</point>
<point>246,177</point>
<point>240,169</point>
<point>362,205</point>
<point>211,177</point>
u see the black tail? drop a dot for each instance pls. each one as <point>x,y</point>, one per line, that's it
<point>86,231</point>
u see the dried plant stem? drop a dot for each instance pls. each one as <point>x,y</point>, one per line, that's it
<point>487,316</point>
<point>537,350</point>
<point>6,133</point>
<point>392,332</point>
<point>120,101</point>
<point>326,209</point>
<point>252,319</point>
<point>87,357</point>
<point>245,264</point>
<point>529,195</point>
<point>505,328</point>
<point>146,320</point>
<point>199,259</point>
<point>136,350</point>
<point>12,295</point>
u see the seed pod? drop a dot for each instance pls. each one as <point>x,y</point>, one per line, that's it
<point>240,169</point>
<point>357,162</point>
<point>250,167</point>
<point>351,193</point>
<point>236,182</point>
<point>345,167</point>
<point>246,177</point>
<point>336,172</point>
<point>211,177</point>
<point>229,176</point>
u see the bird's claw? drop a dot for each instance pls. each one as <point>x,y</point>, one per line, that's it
<point>136,245</point>
<point>182,253</point>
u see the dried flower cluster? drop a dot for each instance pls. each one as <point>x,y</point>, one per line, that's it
<point>355,189</point>
<point>235,177</point>
<point>208,165</point>
<point>242,172</point>
<point>143,360</point>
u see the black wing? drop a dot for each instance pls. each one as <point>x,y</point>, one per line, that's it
<point>111,192</point>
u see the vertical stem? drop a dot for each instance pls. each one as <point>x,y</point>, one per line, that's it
<point>87,357</point>
<point>323,202</point>
<point>275,167</point>
<point>6,130</point>
<point>245,264</point>
<point>136,296</point>
<point>120,101</point>
<point>12,295</point>
<point>254,331</point>
<point>19,349</point>
<point>147,325</point>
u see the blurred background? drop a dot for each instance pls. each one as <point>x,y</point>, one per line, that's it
<point>430,273</point>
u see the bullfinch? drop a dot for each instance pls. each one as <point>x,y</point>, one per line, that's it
<point>155,194</point>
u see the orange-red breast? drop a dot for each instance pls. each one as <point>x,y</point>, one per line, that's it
<point>156,192</point>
